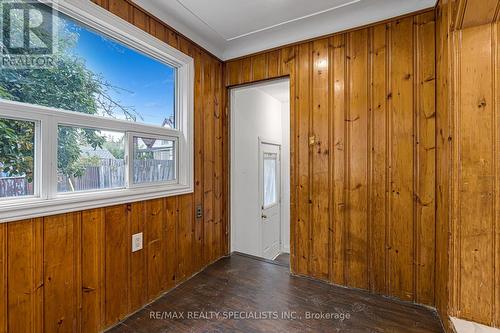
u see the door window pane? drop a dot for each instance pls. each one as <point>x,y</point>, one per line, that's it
<point>17,158</point>
<point>89,159</point>
<point>97,75</point>
<point>154,160</point>
<point>270,177</point>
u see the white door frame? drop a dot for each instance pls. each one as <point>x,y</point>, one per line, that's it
<point>261,194</point>
<point>231,166</point>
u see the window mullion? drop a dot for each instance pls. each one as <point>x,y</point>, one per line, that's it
<point>129,161</point>
<point>49,157</point>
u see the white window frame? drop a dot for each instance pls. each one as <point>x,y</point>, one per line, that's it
<point>130,155</point>
<point>46,200</point>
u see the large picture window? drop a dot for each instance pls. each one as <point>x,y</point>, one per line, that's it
<point>109,122</point>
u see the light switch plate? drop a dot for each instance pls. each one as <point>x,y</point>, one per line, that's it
<point>137,242</point>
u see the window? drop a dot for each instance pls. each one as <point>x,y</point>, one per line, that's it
<point>89,159</point>
<point>270,179</point>
<point>154,160</point>
<point>109,122</point>
<point>17,167</point>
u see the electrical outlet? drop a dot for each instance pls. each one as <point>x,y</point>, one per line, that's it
<point>137,242</point>
<point>199,211</point>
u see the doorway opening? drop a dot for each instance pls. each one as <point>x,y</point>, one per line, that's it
<point>260,170</point>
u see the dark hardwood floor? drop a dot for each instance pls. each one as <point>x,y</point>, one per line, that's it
<point>241,294</point>
<point>284,259</point>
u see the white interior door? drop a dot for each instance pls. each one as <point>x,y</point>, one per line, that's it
<point>270,195</point>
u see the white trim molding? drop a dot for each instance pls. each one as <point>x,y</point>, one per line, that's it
<point>46,200</point>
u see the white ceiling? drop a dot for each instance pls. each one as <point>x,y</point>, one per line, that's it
<point>233,28</point>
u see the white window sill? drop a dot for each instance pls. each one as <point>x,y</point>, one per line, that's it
<point>26,208</point>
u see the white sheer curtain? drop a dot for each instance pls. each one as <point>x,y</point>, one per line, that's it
<point>270,170</point>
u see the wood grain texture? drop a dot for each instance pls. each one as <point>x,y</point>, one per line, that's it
<point>467,281</point>
<point>320,180</point>
<point>303,230</point>
<point>62,284</point>
<point>363,154</point>
<point>471,13</point>
<point>93,277</point>
<point>443,162</point>
<point>243,288</point>
<point>401,161</point>
<point>3,279</point>
<point>25,263</point>
<point>76,273</point>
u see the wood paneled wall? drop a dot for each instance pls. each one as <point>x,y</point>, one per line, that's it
<point>363,154</point>
<point>469,165</point>
<point>76,272</point>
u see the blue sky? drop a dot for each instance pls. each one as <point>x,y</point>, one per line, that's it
<point>148,84</point>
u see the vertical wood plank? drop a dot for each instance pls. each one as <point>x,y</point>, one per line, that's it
<point>103,3</point>
<point>92,269</point>
<point>338,117</point>
<point>138,270</point>
<point>118,248</point>
<point>496,65</point>
<point>357,157</point>
<point>157,29</point>
<point>197,224</point>
<point>140,19</point>
<point>288,66</point>
<point>225,169</point>
<point>155,248</point>
<point>172,38</point>
<point>476,169</point>
<point>320,182</point>
<point>60,251</point>
<point>426,158</point>
<point>185,257</point>
<point>259,67</point>
<point>120,8</point>
<point>171,256</point>
<point>217,247</point>
<point>233,71</point>
<point>274,64</point>
<point>25,275</point>
<point>3,278</point>
<point>444,161</point>
<point>303,156</point>
<point>247,70</point>
<point>208,159</point>
<point>402,163</point>
<point>379,158</point>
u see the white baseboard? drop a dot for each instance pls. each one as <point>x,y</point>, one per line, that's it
<point>464,326</point>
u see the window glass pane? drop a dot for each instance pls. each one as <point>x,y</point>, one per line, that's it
<point>154,160</point>
<point>89,159</point>
<point>97,75</point>
<point>17,157</point>
<point>270,169</point>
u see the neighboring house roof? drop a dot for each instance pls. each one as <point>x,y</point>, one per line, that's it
<point>168,123</point>
<point>102,153</point>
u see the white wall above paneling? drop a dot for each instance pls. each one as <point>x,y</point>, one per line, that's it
<point>234,28</point>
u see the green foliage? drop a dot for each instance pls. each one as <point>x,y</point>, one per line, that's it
<point>69,85</point>
<point>17,144</point>
<point>68,150</point>
<point>115,148</point>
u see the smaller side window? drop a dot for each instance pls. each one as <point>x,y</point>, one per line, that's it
<point>17,158</point>
<point>154,160</point>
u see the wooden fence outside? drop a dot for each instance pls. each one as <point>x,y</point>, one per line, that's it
<point>110,173</point>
